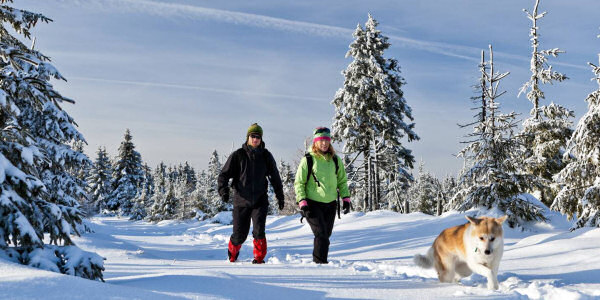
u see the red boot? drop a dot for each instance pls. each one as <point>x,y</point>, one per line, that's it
<point>260,251</point>
<point>233,251</point>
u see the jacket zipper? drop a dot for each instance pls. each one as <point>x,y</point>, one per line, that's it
<point>252,156</point>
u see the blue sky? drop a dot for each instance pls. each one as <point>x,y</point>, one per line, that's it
<point>187,77</point>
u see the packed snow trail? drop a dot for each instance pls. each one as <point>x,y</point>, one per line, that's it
<point>370,258</point>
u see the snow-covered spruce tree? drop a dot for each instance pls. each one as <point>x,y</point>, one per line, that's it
<point>580,179</point>
<point>215,204</point>
<point>169,206</point>
<point>184,191</point>
<point>160,177</point>
<point>127,177</point>
<point>159,184</point>
<point>139,211</point>
<point>352,175</point>
<point>371,102</point>
<point>99,181</point>
<point>287,179</point>
<point>491,178</point>
<point>81,174</point>
<point>157,200</point>
<point>547,131</point>
<point>142,202</point>
<point>425,192</point>
<point>449,186</point>
<point>165,204</point>
<point>53,131</point>
<point>395,194</point>
<point>272,209</point>
<point>35,159</point>
<point>199,193</point>
<point>189,173</point>
<point>148,182</point>
<point>544,143</point>
<point>181,190</point>
<point>480,99</point>
<point>392,175</point>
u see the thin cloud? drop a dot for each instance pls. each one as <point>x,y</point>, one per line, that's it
<point>192,12</point>
<point>200,88</point>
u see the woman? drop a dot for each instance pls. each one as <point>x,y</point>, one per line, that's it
<point>317,190</point>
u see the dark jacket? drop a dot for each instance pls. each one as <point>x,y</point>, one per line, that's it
<point>249,169</point>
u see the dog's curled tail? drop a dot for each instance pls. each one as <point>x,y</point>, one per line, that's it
<point>424,261</point>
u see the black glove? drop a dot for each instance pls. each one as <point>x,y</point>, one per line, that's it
<point>346,206</point>
<point>305,212</point>
<point>280,203</point>
<point>225,198</point>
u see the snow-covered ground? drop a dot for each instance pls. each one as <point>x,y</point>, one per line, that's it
<point>370,258</point>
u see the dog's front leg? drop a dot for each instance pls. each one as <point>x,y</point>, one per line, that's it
<point>495,268</point>
<point>492,281</point>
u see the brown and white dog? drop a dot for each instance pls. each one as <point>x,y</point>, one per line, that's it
<point>476,246</point>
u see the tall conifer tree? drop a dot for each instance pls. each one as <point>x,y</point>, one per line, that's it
<point>127,176</point>
<point>371,103</point>
<point>490,179</point>
<point>215,204</point>
<point>99,181</point>
<point>38,188</point>
<point>547,131</point>
<point>580,179</point>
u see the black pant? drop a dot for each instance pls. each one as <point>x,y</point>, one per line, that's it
<point>321,219</point>
<point>241,223</point>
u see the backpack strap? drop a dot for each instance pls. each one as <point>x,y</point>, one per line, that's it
<point>309,165</point>
<point>337,164</point>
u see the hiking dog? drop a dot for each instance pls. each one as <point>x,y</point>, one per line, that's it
<point>476,246</point>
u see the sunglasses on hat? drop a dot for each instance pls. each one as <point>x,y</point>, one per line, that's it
<point>322,130</point>
<point>255,136</point>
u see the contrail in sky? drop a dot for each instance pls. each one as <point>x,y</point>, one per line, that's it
<point>200,88</point>
<point>192,12</point>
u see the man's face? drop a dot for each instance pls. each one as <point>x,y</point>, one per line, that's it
<point>254,140</point>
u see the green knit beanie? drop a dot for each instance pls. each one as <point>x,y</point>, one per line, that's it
<point>321,133</point>
<point>254,128</point>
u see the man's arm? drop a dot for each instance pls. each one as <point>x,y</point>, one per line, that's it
<point>228,171</point>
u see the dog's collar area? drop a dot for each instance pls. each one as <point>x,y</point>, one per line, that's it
<point>476,249</point>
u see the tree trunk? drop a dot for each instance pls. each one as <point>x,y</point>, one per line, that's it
<point>376,181</point>
<point>366,178</point>
<point>369,185</point>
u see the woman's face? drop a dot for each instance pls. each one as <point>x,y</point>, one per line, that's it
<point>323,145</point>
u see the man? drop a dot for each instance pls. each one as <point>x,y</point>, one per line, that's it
<point>249,167</point>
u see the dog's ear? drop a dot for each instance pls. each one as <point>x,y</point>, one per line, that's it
<point>473,220</point>
<point>501,219</point>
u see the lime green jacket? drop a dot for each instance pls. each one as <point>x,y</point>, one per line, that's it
<point>330,183</point>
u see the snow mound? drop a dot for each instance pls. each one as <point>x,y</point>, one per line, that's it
<point>224,217</point>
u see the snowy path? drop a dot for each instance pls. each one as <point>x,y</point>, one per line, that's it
<point>188,260</point>
<point>370,258</point>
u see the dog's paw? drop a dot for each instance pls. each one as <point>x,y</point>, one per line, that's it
<point>492,285</point>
